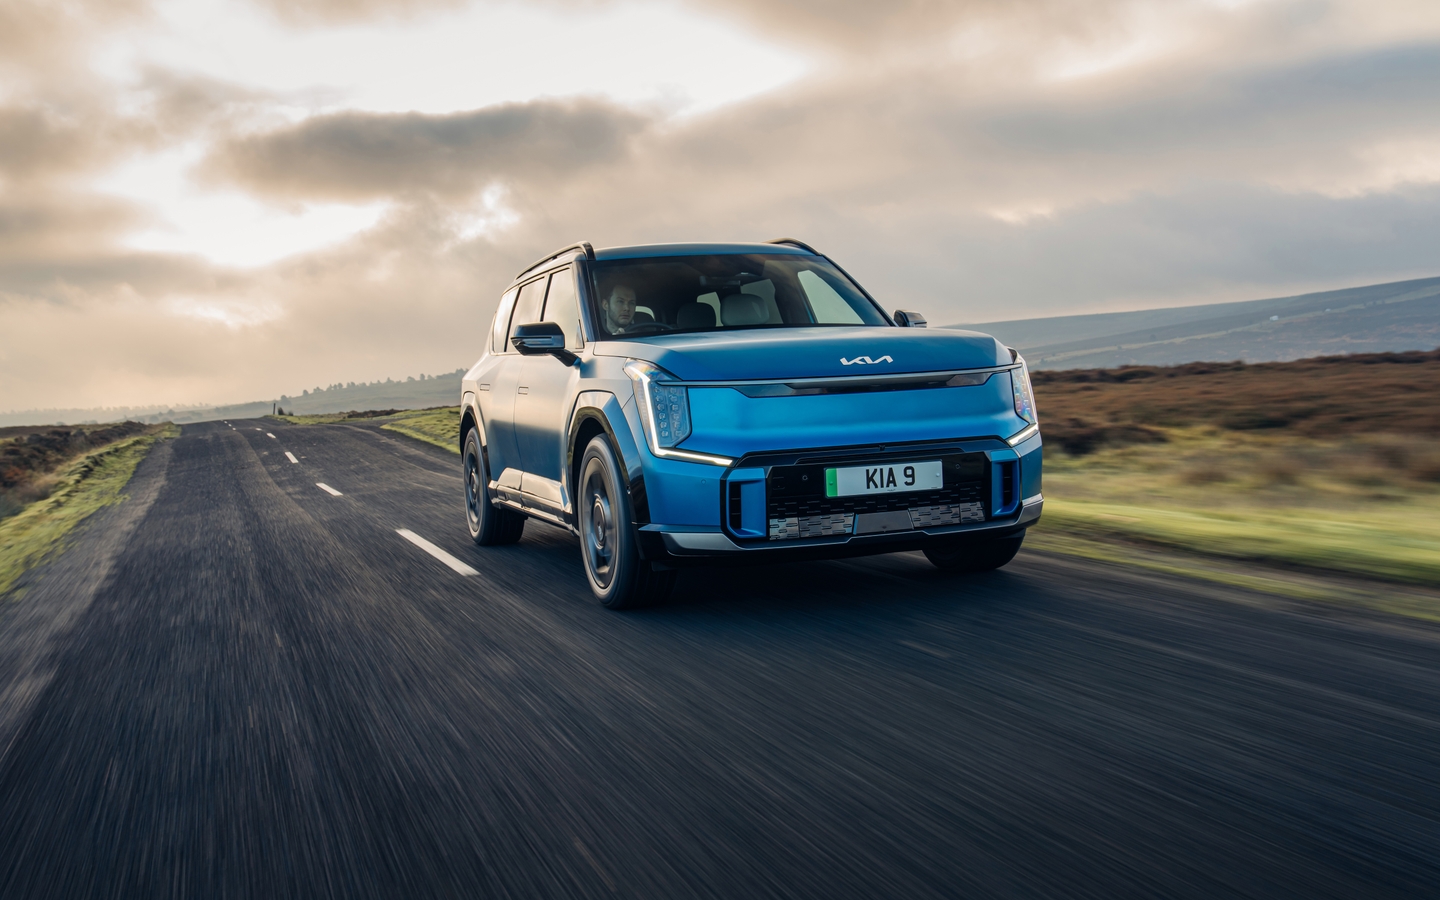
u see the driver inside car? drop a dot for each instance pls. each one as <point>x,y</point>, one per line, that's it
<point>619,307</point>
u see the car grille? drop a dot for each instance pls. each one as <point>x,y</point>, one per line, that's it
<point>796,505</point>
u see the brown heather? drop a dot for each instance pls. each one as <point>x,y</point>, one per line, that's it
<point>1328,397</point>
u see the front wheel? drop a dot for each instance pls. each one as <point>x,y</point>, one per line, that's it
<point>490,525</point>
<point>975,556</point>
<point>609,546</point>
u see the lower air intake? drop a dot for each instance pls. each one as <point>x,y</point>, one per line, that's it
<point>811,526</point>
<point>949,514</point>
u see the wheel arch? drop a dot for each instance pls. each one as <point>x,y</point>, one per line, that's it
<point>470,418</point>
<point>593,416</point>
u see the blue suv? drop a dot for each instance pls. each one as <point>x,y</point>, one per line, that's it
<point>682,404</point>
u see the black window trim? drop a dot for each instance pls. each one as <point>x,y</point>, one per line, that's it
<point>584,276</point>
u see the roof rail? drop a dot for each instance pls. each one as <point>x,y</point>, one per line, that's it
<point>794,243</point>
<point>583,245</point>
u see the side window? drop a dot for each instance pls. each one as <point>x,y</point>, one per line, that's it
<point>562,308</point>
<point>502,322</point>
<point>527,306</point>
<point>830,308</point>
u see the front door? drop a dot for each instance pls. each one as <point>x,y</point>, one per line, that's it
<point>504,450</point>
<point>542,400</point>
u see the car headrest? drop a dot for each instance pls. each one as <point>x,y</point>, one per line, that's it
<point>641,317</point>
<point>695,315</point>
<point>743,309</point>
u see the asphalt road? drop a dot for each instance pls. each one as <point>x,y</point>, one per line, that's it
<point>265,691</point>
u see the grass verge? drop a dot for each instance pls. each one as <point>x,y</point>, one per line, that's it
<point>1416,601</point>
<point>1277,507</point>
<point>438,425</point>
<point>91,482</point>
<point>1391,544</point>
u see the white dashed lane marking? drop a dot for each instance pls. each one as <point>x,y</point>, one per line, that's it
<point>435,551</point>
<point>290,456</point>
<point>328,489</point>
<point>268,434</point>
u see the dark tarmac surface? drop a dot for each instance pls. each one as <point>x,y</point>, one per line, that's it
<point>271,694</point>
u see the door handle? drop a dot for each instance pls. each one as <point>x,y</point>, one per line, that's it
<point>522,390</point>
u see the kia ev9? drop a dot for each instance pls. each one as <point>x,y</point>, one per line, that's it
<point>684,404</point>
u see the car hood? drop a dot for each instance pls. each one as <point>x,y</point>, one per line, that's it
<point>822,352</point>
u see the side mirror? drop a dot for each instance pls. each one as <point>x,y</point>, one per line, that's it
<point>541,339</point>
<point>908,319</point>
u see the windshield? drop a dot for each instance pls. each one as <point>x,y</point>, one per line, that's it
<point>634,297</point>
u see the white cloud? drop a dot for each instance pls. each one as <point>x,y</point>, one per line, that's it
<point>233,314</point>
<point>460,59</point>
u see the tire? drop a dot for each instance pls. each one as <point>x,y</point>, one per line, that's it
<point>609,545</point>
<point>490,525</point>
<point>975,556</point>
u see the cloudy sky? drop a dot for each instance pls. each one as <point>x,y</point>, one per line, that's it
<point>225,200</point>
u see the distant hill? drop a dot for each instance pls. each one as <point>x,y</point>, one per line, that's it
<point>1381,318</point>
<point>412,393</point>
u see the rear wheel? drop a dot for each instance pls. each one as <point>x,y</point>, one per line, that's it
<point>490,525</point>
<point>609,546</point>
<point>975,556</point>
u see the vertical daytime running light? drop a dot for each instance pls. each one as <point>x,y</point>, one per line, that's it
<point>1024,394</point>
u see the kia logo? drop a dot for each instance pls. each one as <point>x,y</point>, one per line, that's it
<point>864,361</point>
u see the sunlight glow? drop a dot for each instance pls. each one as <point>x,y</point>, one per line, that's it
<point>225,227</point>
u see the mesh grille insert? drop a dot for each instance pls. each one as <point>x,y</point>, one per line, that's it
<point>798,493</point>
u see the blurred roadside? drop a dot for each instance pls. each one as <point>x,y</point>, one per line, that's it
<point>52,479</point>
<point>438,425</point>
<point>1325,465</point>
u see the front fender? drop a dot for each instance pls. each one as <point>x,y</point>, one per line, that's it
<point>606,411</point>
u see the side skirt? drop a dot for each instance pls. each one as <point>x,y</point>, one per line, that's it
<point>541,514</point>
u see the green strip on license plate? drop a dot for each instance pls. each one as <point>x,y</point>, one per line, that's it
<point>830,488</point>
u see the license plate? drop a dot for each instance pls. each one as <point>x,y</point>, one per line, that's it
<point>890,478</point>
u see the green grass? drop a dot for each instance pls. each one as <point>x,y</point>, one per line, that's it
<point>1359,506</point>
<point>439,426</point>
<point>319,419</point>
<point>86,485</point>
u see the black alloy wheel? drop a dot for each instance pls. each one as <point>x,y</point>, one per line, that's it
<point>490,525</point>
<point>975,556</point>
<point>609,546</point>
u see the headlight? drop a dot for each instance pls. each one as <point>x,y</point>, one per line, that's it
<point>1024,403</point>
<point>664,412</point>
<point>1024,395</point>
<point>664,407</point>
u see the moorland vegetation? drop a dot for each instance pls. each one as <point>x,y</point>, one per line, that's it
<point>1326,464</point>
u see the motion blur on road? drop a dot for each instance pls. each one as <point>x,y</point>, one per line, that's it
<point>245,681</point>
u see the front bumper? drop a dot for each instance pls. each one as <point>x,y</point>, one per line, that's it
<point>698,513</point>
<point>683,542</point>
